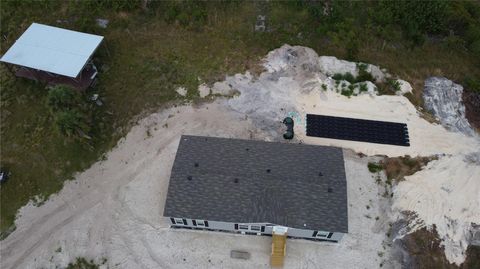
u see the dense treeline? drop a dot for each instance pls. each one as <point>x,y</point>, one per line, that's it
<point>457,23</point>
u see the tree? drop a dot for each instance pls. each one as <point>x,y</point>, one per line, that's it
<point>71,123</point>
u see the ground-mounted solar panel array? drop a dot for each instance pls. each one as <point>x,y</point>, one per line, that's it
<point>380,132</point>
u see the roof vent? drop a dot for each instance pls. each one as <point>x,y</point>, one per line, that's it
<point>330,190</point>
<point>235,180</point>
<point>196,164</point>
<point>268,170</point>
<point>189,177</point>
<point>320,174</point>
<point>247,149</point>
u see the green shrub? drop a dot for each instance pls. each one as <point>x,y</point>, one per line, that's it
<point>62,97</point>
<point>474,47</point>
<point>390,87</point>
<point>189,14</point>
<point>337,77</point>
<point>171,14</point>
<point>82,263</point>
<point>363,87</point>
<point>375,167</point>
<point>347,76</point>
<point>347,91</point>
<point>363,74</point>
<point>72,123</point>
<point>394,84</point>
<point>472,84</point>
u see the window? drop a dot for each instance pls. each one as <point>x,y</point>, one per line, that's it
<point>179,221</point>
<point>255,228</point>
<point>243,227</point>
<point>322,234</point>
<point>201,223</point>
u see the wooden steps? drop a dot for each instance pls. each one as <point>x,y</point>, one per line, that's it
<point>279,245</point>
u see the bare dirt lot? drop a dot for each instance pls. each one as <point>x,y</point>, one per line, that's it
<point>113,210</point>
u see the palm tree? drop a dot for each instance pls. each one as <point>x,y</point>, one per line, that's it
<point>71,123</point>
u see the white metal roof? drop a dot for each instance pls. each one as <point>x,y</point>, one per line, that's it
<point>52,49</point>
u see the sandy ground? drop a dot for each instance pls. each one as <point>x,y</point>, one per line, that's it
<point>449,185</point>
<point>113,210</point>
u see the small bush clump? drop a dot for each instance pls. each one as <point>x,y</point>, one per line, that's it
<point>70,112</point>
<point>363,75</point>
<point>82,263</point>
<point>347,76</point>
<point>375,167</point>
<point>363,87</point>
<point>390,87</point>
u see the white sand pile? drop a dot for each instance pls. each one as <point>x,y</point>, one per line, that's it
<point>292,85</point>
<point>445,194</point>
<point>114,208</point>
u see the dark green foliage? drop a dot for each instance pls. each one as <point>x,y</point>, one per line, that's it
<point>363,87</point>
<point>71,123</point>
<point>375,167</point>
<point>70,112</point>
<point>62,97</point>
<point>346,21</point>
<point>472,84</point>
<point>347,35</point>
<point>82,263</point>
<point>347,76</point>
<point>389,87</point>
<point>347,91</point>
<point>187,13</point>
<point>363,74</point>
<point>416,18</point>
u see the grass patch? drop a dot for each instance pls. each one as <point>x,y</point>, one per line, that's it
<point>400,167</point>
<point>472,84</point>
<point>375,167</point>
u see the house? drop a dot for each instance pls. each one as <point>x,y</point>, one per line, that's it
<point>54,56</point>
<point>257,187</point>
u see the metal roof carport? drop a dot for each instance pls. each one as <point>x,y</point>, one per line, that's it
<point>54,50</point>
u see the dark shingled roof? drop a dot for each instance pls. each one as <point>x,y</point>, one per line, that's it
<point>245,181</point>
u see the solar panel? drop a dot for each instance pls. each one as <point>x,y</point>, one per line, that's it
<point>380,132</point>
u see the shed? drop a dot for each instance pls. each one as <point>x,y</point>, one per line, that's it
<point>54,56</point>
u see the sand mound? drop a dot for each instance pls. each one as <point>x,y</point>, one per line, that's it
<point>444,194</point>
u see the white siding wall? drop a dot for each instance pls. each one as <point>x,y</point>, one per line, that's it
<point>229,226</point>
